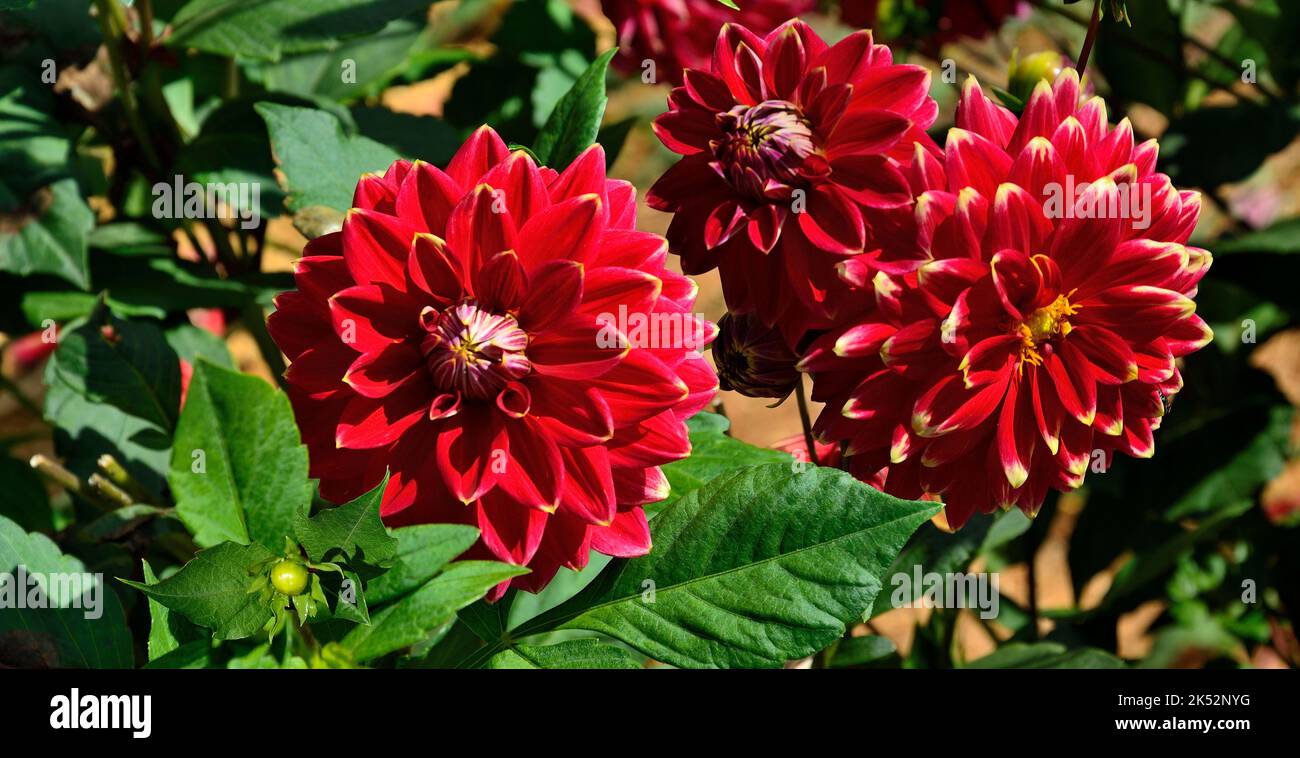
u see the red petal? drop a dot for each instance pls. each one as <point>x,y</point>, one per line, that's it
<point>511,531</point>
<point>627,537</point>
<point>483,150</point>
<point>473,452</point>
<point>588,485</point>
<point>565,231</point>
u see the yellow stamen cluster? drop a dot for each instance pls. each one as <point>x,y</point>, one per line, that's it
<point>1041,325</point>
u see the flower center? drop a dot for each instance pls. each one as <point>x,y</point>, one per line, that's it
<point>1042,325</point>
<point>763,143</point>
<point>473,351</point>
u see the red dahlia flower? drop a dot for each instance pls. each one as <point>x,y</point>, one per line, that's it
<point>1021,339</point>
<point>791,149</point>
<point>466,329</point>
<point>679,34</point>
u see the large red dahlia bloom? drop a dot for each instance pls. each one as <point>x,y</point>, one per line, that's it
<point>679,34</point>
<point>1029,332</point>
<point>469,330</point>
<point>791,148</point>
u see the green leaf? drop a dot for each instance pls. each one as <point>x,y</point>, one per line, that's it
<point>571,654</point>
<point>1046,655</point>
<point>712,453</point>
<point>212,591</point>
<point>165,631</point>
<point>422,551</point>
<point>191,655</point>
<point>756,568</point>
<point>372,60</point>
<point>351,529</point>
<point>574,123</point>
<point>417,615</point>
<point>158,285</point>
<point>267,29</point>
<point>114,387</point>
<point>34,147</point>
<point>870,651</point>
<point>47,235</point>
<point>347,606</point>
<point>321,163</point>
<point>82,642</point>
<point>239,470</point>
<point>192,343</point>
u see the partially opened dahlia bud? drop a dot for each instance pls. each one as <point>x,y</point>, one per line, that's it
<point>1034,327</point>
<point>472,331</point>
<point>790,147</point>
<point>659,39</point>
<point>752,358</point>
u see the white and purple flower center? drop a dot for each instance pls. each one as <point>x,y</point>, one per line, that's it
<point>763,143</point>
<point>473,351</point>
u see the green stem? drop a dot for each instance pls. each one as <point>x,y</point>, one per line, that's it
<point>1088,39</point>
<point>806,420</point>
<point>112,22</point>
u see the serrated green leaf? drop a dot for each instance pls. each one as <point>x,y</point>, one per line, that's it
<point>712,453</point>
<point>321,164</point>
<point>350,530</point>
<point>422,551</point>
<point>100,642</point>
<point>212,591</point>
<point>166,632</point>
<point>345,596</point>
<point>756,568</point>
<point>574,123</point>
<point>417,615</point>
<point>571,654</point>
<point>239,469</point>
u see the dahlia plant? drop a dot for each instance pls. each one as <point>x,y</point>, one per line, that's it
<point>450,333</point>
<point>335,336</point>
<point>791,156</point>
<point>1023,332</point>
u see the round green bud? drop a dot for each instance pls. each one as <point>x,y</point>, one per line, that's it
<point>289,577</point>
